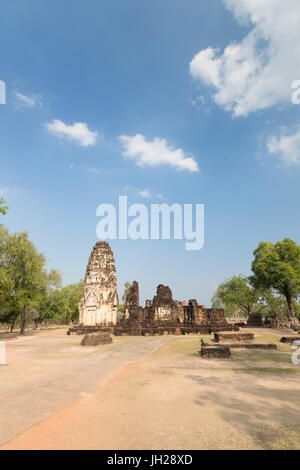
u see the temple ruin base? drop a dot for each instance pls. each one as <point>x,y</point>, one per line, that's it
<point>233,336</point>
<point>255,321</point>
<point>85,330</point>
<point>243,345</point>
<point>215,352</point>
<point>290,339</point>
<point>96,340</point>
<point>142,329</point>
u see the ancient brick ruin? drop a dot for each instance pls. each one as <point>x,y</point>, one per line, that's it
<point>255,321</point>
<point>233,336</point>
<point>133,304</point>
<point>99,303</point>
<point>215,352</point>
<point>290,339</point>
<point>195,314</point>
<point>164,314</point>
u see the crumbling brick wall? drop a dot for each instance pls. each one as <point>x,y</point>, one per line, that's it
<point>165,308</point>
<point>195,314</point>
<point>133,303</point>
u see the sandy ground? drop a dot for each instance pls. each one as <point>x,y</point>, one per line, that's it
<point>147,393</point>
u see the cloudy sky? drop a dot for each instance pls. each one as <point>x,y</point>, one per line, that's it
<point>179,101</point>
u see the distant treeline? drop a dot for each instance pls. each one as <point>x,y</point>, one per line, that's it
<point>273,288</point>
<point>28,291</point>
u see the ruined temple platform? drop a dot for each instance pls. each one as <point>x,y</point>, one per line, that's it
<point>153,330</point>
<point>290,339</point>
<point>216,329</point>
<point>233,336</point>
<point>96,340</point>
<point>140,329</point>
<point>244,345</point>
<point>85,330</point>
<point>148,329</point>
<point>215,352</point>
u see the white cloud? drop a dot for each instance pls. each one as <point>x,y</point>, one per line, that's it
<point>200,103</point>
<point>23,101</point>
<point>77,132</point>
<point>257,72</point>
<point>287,146</point>
<point>156,152</point>
<point>145,193</point>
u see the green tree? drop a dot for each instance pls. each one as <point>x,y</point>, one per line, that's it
<point>122,308</point>
<point>276,304</point>
<point>61,304</point>
<point>237,295</point>
<point>8,313</point>
<point>3,207</point>
<point>127,287</point>
<point>70,299</point>
<point>277,266</point>
<point>48,301</point>
<point>23,277</point>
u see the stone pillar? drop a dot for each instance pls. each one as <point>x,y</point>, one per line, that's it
<point>132,302</point>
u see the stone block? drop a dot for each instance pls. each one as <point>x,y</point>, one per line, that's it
<point>233,336</point>
<point>244,345</point>
<point>96,340</point>
<point>215,352</point>
<point>290,339</point>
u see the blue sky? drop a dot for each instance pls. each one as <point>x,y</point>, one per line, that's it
<point>211,78</point>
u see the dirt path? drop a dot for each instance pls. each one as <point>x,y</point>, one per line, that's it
<point>47,372</point>
<point>173,400</point>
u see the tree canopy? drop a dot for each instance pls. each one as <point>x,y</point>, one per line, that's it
<point>277,266</point>
<point>127,287</point>
<point>236,295</point>
<point>23,276</point>
<point>27,286</point>
<point>3,207</point>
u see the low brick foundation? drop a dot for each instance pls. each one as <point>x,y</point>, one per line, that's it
<point>216,329</point>
<point>85,330</point>
<point>233,336</point>
<point>215,352</point>
<point>96,340</point>
<point>255,321</point>
<point>252,345</point>
<point>148,329</point>
<point>290,339</point>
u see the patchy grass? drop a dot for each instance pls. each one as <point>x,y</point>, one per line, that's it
<point>185,349</point>
<point>288,441</point>
<point>268,370</point>
<point>184,346</point>
<point>260,355</point>
<point>279,357</point>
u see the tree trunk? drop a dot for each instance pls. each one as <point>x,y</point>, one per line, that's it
<point>23,321</point>
<point>248,313</point>
<point>291,313</point>
<point>12,326</point>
